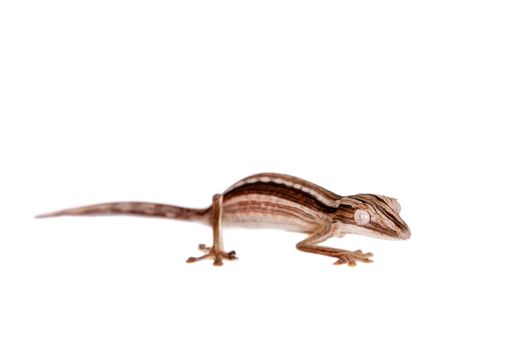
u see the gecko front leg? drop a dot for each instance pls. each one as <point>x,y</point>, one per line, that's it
<point>216,252</point>
<point>343,256</point>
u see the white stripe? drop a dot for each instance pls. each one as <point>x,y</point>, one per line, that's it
<point>277,180</point>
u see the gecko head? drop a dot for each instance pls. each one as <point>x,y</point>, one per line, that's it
<point>372,215</point>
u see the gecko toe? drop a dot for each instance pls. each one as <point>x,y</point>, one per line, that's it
<point>204,248</point>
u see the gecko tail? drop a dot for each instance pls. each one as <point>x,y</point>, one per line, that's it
<point>134,208</point>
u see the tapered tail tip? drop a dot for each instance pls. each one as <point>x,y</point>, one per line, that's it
<point>46,215</point>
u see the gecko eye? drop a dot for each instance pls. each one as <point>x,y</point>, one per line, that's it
<point>361,217</point>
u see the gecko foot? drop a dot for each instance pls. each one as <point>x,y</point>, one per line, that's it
<point>212,253</point>
<point>351,258</point>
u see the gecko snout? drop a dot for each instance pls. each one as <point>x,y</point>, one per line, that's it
<point>405,234</point>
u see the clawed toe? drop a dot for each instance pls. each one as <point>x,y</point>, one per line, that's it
<point>203,248</point>
<point>230,255</point>
<point>342,261</point>
<point>193,259</point>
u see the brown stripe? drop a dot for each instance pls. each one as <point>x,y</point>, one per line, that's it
<point>281,191</point>
<point>277,178</point>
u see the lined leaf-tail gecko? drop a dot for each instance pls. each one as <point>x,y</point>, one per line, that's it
<point>270,200</point>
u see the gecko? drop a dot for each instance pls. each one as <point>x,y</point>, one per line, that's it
<point>277,201</point>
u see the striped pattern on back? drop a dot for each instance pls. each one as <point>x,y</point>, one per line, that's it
<point>275,200</point>
<point>319,193</point>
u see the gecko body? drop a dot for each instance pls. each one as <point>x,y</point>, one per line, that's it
<point>271,200</point>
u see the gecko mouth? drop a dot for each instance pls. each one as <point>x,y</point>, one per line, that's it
<point>402,235</point>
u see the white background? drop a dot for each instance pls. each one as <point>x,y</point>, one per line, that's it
<point>173,102</point>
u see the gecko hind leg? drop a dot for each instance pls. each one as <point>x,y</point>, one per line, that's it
<point>216,251</point>
<point>347,257</point>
